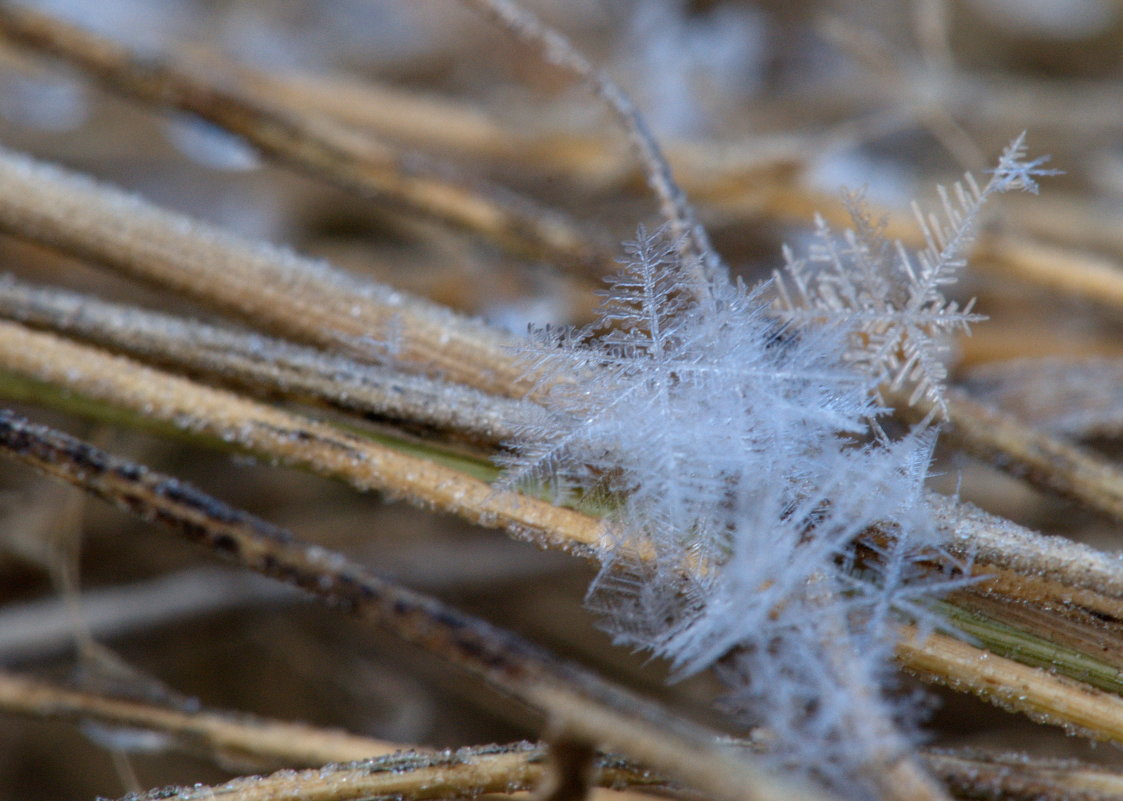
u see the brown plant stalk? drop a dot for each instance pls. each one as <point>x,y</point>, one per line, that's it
<point>577,702</point>
<point>1042,696</point>
<point>240,737</point>
<point>465,773</point>
<point>291,438</point>
<point>264,366</point>
<point>299,298</point>
<point>556,49</point>
<point>310,301</point>
<point>469,772</point>
<point>1028,452</point>
<point>333,152</point>
<point>416,336</point>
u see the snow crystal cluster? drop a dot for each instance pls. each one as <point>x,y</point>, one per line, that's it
<point>763,524</point>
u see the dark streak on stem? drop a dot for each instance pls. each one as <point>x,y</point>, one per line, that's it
<point>266,548</point>
<point>582,705</point>
<point>972,775</point>
<point>571,771</point>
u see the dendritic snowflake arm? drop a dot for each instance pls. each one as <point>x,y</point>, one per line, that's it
<point>892,301</point>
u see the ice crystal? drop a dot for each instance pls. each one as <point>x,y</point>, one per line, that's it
<point>737,449</point>
<point>762,523</point>
<point>891,300</point>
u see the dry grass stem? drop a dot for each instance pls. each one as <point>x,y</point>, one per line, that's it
<point>270,367</point>
<point>730,180</point>
<point>1066,219</point>
<point>285,436</point>
<point>45,627</point>
<point>432,122</point>
<point>594,161</point>
<point>263,742</point>
<point>469,772</point>
<point>557,50</point>
<point>1045,697</point>
<point>1014,777</point>
<point>466,773</point>
<point>1066,640</point>
<point>358,162</point>
<point>1089,276</point>
<point>577,702</point>
<point>299,298</point>
<point>1074,397</point>
<point>243,738</point>
<point>407,398</point>
<point>324,149</point>
<point>1029,566</point>
<point>1077,573</point>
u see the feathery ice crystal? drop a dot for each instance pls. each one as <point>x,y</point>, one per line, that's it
<point>890,300</point>
<point>763,522</point>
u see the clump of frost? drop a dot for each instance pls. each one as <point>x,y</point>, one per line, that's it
<point>762,523</point>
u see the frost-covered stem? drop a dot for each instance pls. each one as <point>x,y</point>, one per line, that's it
<point>243,737</point>
<point>1045,568</point>
<point>271,287</point>
<point>417,776</point>
<point>555,48</point>
<point>354,161</point>
<point>288,437</point>
<point>1042,695</point>
<point>468,772</point>
<point>1016,776</point>
<point>260,364</point>
<point>1023,564</point>
<point>1067,641</point>
<point>389,769</point>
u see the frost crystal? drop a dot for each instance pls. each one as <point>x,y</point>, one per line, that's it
<point>761,521</point>
<point>891,300</point>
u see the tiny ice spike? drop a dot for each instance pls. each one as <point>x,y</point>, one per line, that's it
<point>739,448</point>
<point>1014,172</point>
